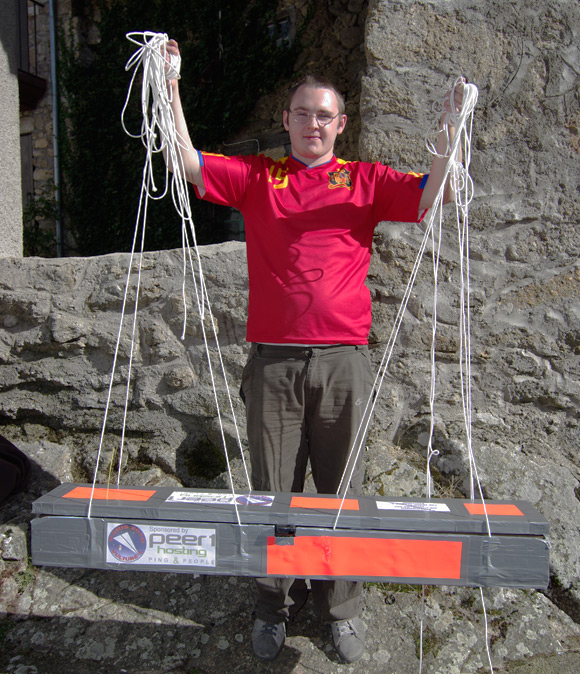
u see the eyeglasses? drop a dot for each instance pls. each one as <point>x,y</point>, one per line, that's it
<point>322,118</point>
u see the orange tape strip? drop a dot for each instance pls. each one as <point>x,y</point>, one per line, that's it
<point>494,509</point>
<point>313,556</point>
<point>111,494</point>
<point>316,503</point>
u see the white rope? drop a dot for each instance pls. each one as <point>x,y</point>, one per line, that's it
<point>462,186</point>
<point>142,208</point>
<point>421,630</point>
<point>436,237</point>
<point>486,623</point>
<point>158,134</point>
<point>435,214</point>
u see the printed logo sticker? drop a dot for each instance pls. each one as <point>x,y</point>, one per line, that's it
<point>160,545</point>
<point>210,498</point>
<point>255,499</point>
<point>408,505</point>
<point>126,543</point>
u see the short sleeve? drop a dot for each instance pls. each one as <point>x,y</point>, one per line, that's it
<point>225,178</point>
<point>397,195</point>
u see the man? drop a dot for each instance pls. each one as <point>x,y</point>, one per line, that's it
<point>309,222</point>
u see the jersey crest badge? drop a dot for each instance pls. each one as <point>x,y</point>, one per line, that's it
<point>340,178</point>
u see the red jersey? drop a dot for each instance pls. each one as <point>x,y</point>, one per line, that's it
<point>309,234</point>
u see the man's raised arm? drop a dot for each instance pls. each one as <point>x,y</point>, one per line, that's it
<point>189,154</point>
<point>439,164</point>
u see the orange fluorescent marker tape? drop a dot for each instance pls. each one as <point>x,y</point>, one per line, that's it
<point>372,557</point>
<point>111,494</point>
<point>493,509</point>
<point>323,503</point>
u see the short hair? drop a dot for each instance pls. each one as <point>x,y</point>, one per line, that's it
<point>316,82</point>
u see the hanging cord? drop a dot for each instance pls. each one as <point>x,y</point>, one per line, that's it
<point>173,144</point>
<point>485,622</point>
<point>379,378</point>
<point>462,186</point>
<point>463,189</point>
<point>435,214</point>
<point>158,134</point>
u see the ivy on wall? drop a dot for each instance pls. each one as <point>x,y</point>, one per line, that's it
<point>229,58</point>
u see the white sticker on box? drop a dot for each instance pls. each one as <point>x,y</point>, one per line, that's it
<point>427,506</point>
<point>212,498</point>
<point>160,545</point>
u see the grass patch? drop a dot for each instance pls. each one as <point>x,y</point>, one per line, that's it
<point>25,577</point>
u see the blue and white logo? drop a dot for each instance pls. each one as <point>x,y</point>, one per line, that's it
<point>255,499</point>
<point>127,543</point>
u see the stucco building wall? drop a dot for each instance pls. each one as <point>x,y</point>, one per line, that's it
<point>11,199</point>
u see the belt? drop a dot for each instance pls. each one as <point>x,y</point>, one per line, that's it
<point>297,351</point>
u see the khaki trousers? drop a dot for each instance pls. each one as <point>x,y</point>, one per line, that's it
<point>305,403</point>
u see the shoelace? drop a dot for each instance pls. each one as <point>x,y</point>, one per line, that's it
<point>270,629</point>
<point>344,628</point>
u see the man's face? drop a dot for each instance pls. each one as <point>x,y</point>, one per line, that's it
<point>312,143</point>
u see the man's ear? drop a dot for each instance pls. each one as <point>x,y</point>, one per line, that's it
<point>341,124</point>
<point>285,120</point>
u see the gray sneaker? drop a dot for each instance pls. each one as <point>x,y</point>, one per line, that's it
<point>349,639</point>
<point>267,639</point>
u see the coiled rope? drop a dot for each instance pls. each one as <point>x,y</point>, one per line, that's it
<point>158,135</point>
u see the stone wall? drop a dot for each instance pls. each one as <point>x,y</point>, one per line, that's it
<point>38,122</point>
<point>332,45</point>
<point>524,218</point>
<point>60,321</point>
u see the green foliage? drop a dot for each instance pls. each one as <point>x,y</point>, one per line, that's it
<point>389,590</point>
<point>229,59</point>
<point>39,239</point>
<point>25,577</point>
<point>429,644</point>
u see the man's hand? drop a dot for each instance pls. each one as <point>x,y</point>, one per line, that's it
<point>453,102</point>
<point>452,105</point>
<point>173,61</point>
